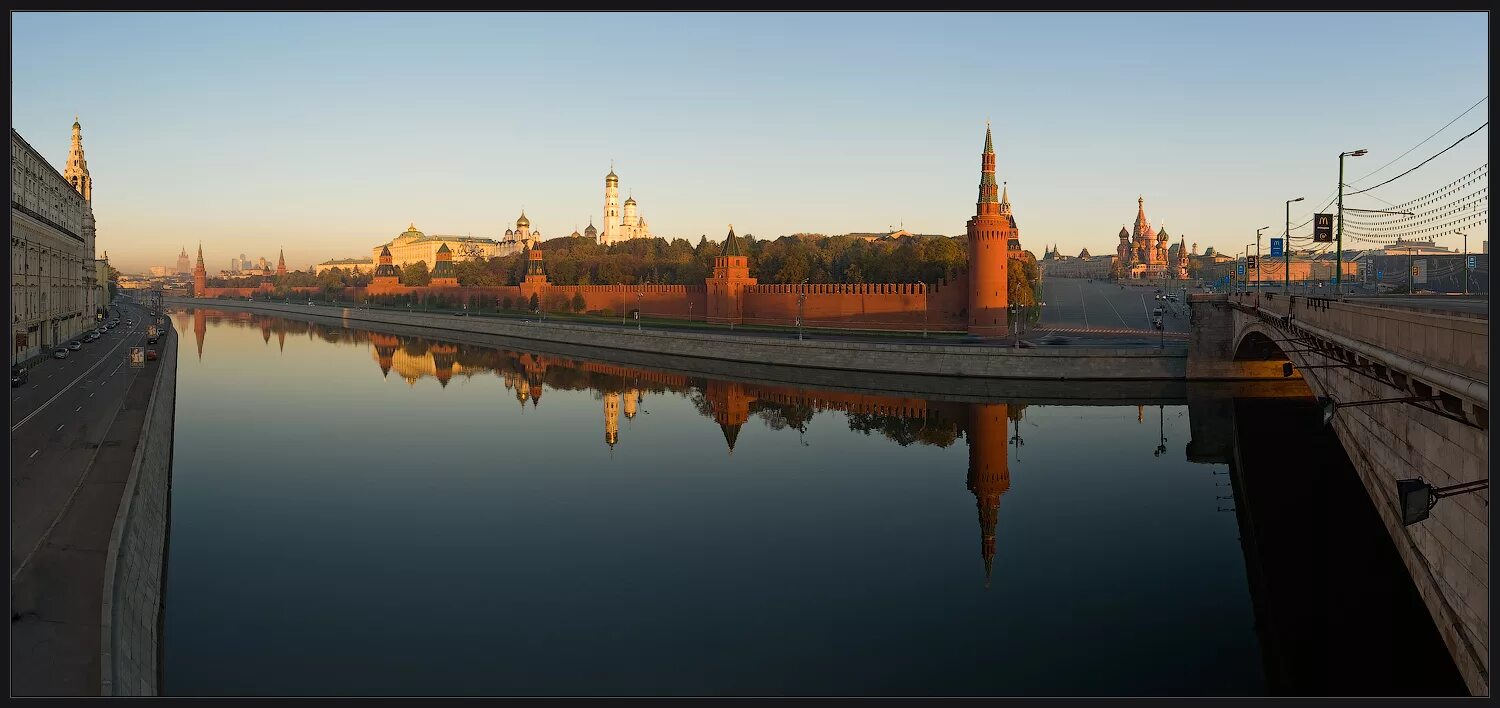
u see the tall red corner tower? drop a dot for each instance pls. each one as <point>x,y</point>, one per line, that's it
<point>990,233</point>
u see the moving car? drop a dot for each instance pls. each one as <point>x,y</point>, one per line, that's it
<point>150,355</point>
<point>17,376</point>
<point>75,345</point>
<point>151,340</point>
<point>59,353</point>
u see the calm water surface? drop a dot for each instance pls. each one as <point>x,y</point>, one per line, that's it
<point>358,513</point>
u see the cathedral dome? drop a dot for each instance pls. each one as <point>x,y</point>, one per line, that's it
<point>630,201</point>
<point>523,221</point>
<point>575,234</point>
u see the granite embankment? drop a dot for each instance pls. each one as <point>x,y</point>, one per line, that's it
<point>969,361</point>
<point>135,564</point>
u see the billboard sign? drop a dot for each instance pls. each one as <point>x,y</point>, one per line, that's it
<point>1276,248</point>
<point>1419,271</point>
<point>1323,228</point>
<point>137,357</point>
<point>1250,262</point>
<point>1473,262</point>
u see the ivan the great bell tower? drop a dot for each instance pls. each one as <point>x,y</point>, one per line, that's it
<point>990,232</point>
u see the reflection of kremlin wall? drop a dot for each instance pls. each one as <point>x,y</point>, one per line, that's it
<point>623,389</point>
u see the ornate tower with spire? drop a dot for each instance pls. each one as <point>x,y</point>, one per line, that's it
<point>77,175</point>
<point>77,171</point>
<point>281,263</point>
<point>200,276</point>
<point>989,233</point>
<point>386,272</point>
<point>611,207</point>
<point>726,289</point>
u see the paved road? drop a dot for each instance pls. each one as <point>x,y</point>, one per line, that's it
<point>59,418</point>
<point>1105,307</point>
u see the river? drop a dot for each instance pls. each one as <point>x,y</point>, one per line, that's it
<point>357,513</point>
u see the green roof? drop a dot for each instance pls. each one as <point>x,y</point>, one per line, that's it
<point>731,244</point>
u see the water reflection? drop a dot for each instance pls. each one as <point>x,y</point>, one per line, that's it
<point>1121,573</point>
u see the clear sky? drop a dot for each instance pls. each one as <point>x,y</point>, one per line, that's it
<point>327,133</point>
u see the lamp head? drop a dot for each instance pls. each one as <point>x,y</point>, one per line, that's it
<point>1358,153</point>
<point>1298,199</point>
<point>1328,407</point>
<point>1416,499</point>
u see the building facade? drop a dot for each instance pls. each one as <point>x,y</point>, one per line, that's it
<point>412,245</point>
<point>350,265</point>
<point>1084,265</point>
<point>620,225</point>
<point>53,270</point>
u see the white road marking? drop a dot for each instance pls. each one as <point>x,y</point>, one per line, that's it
<point>33,453</point>
<point>1084,306</point>
<point>59,427</point>
<point>75,410</point>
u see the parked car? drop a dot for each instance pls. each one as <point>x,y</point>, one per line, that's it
<point>59,353</point>
<point>150,355</point>
<point>75,345</point>
<point>309,302</point>
<point>151,340</point>
<point>17,376</point>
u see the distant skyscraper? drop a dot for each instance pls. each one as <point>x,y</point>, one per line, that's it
<point>183,264</point>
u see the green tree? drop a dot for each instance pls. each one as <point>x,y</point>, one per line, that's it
<point>416,274</point>
<point>578,301</point>
<point>536,302</point>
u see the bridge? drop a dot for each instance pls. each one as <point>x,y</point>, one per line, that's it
<point>1405,385</point>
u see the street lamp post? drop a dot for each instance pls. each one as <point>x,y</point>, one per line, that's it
<point>1338,250</point>
<point>1257,264</point>
<point>1245,284</point>
<point>1286,249</point>
<point>1466,263</point>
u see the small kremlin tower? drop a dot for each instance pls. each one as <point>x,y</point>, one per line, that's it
<point>281,264</point>
<point>386,273</point>
<point>443,273</point>
<point>200,278</point>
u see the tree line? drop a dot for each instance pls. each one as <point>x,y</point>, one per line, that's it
<point>810,258</point>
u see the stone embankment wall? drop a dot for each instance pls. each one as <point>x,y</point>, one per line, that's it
<point>136,560</point>
<point>1051,363</point>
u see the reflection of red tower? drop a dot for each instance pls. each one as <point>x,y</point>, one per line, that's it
<point>989,471</point>
<point>535,370</point>
<point>281,339</point>
<point>200,327</point>
<point>990,233</point>
<point>265,330</point>
<point>385,350</point>
<point>731,407</point>
<point>443,355</point>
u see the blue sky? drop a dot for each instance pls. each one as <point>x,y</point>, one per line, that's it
<point>326,134</point>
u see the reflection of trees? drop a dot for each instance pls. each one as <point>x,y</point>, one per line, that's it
<point>931,430</point>
<point>780,417</point>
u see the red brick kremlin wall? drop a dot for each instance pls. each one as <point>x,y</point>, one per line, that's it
<point>976,301</point>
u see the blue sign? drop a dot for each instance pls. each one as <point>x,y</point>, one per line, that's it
<point>1275,248</point>
<point>1473,262</point>
<point>1241,268</point>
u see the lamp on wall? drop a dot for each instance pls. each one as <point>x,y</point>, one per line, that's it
<point>1416,497</point>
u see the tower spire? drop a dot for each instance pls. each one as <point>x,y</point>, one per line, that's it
<point>77,170</point>
<point>989,201</point>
